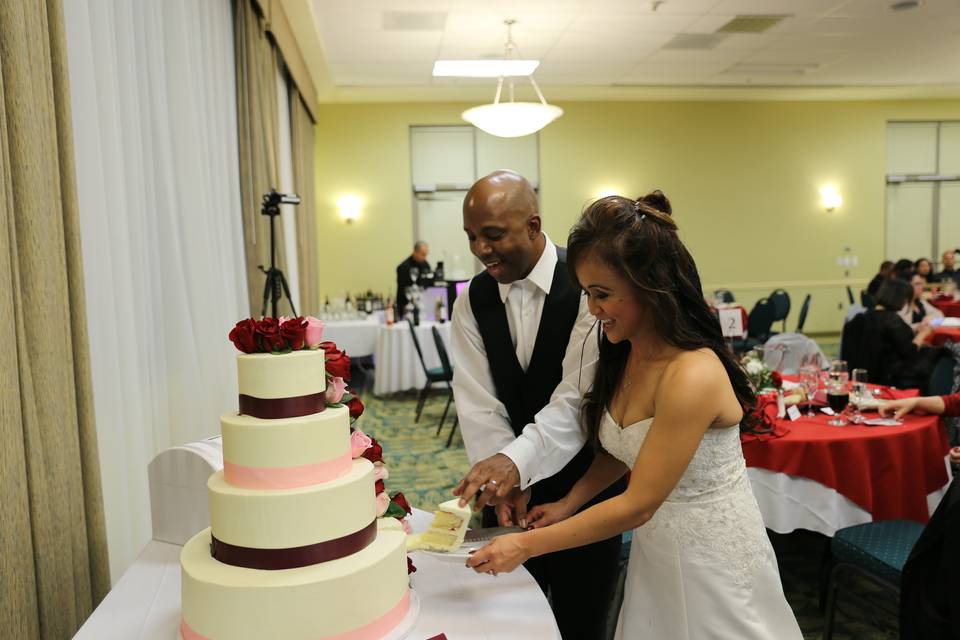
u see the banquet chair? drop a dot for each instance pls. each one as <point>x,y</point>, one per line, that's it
<point>433,375</point>
<point>448,374</point>
<point>724,295</point>
<point>804,310</point>
<point>781,306</point>
<point>759,323</point>
<point>875,552</point>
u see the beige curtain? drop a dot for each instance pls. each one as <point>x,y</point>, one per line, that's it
<point>53,559</point>
<point>308,267</point>
<point>257,131</point>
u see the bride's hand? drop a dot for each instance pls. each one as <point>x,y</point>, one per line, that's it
<point>502,555</point>
<point>544,515</point>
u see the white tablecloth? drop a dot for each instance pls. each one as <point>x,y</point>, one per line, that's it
<point>357,337</point>
<point>788,503</point>
<point>397,366</point>
<point>145,602</point>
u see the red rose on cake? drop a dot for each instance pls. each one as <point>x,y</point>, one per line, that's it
<point>293,332</point>
<point>401,501</point>
<point>243,336</point>
<point>410,567</point>
<point>375,452</point>
<point>338,362</point>
<point>356,407</point>
<point>268,335</point>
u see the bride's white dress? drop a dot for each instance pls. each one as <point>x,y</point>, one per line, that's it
<point>703,566</point>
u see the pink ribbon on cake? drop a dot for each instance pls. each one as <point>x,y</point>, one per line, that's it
<point>275,408</point>
<point>293,557</point>
<point>303,475</point>
<point>371,631</point>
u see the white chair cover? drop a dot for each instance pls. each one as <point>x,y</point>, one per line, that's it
<point>786,352</point>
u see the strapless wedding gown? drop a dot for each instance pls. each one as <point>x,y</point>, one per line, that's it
<point>703,566</point>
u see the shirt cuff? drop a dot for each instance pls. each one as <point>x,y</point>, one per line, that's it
<point>521,452</point>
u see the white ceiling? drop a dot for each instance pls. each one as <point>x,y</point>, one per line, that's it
<point>621,43</point>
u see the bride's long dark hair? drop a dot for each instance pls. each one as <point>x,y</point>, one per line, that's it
<point>638,238</point>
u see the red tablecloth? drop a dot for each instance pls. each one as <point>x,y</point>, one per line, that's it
<point>941,335</point>
<point>949,306</point>
<point>888,471</point>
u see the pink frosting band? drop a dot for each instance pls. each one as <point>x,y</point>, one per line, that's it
<point>371,631</point>
<point>304,475</point>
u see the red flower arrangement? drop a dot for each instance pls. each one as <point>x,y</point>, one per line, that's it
<point>277,335</point>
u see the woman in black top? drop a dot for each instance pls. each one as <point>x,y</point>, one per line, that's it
<point>891,351</point>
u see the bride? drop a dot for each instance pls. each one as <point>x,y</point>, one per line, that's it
<point>665,404</point>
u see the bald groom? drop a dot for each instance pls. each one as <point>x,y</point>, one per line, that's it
<point>523,356</point>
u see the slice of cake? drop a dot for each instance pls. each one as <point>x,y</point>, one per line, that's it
<point>446,532</point>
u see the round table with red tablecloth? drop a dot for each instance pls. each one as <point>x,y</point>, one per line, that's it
<point>822,478</point>
<point>949,306</point>
<point>942,335</point>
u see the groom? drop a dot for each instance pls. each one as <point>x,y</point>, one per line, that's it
<point>523,352</point>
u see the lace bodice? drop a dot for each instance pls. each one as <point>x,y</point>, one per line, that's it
<point>711,513</point>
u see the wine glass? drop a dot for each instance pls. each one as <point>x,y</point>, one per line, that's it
<point>838,396</point>
<point>810,380</point>
<point>860,392</point>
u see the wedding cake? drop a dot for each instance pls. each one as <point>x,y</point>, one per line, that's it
<point>294,550</point>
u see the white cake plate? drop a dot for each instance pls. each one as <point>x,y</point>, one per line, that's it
<point>401,630</point>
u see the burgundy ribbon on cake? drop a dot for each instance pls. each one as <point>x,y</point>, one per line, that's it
<point>274,408</point>
<point>293,557</point>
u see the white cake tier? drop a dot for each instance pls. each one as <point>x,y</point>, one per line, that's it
<point>360,597</point>
<point>286,518</point>
<point>286,452</point>
<point>266,375</point>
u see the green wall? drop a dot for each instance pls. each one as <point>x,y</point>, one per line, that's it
<point>743,177</point>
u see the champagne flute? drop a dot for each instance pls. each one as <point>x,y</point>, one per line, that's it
<point>810,379</point>
<point>860,391</point>
<point>838,396</point>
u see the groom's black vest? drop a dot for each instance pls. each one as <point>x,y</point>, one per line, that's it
<point>525,393</point>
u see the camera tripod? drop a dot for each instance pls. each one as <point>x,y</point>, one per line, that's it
<point>276,287</point>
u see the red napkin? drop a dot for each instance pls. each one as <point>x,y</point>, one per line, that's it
<point>768,427</point>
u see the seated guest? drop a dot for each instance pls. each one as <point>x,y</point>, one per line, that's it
<point>948,272</point>
<point>416,260</point>
<point>924,269</point>
<point>929,607</point>
<point>887,347</point>
<point>885,273</point>
<point>903,267</point>
<point>918,311</point>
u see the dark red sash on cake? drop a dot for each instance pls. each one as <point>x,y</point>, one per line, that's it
<point>293,557</point>
<point>275,408</point>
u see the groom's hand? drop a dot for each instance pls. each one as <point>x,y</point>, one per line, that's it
<point>512,510</point>
<point>496,475</point>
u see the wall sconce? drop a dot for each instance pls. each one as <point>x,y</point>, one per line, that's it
<point>349,207</point>
<point>830,197</point>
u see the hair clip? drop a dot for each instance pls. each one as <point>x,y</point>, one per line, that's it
<point>636,209</point>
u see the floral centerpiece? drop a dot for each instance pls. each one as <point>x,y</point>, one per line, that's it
<point>759,374</point>
<point>285,335</point>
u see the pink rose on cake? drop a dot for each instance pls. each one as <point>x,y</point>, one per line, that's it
<point>336,387</point>
<point>359,443</point>
<point>383,502</point>
<point>406,526</point>
<point>243,336</point>
<point>375,452</point>
<point>380,471</point>
<point>314,334</point>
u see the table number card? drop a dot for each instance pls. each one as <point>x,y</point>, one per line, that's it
<point>731,322</point>
<point>793,413</point>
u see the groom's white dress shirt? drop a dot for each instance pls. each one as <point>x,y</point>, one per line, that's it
<point>555,436</point>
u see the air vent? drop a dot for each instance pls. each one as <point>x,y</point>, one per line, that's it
<point>751,24</point>
<point>694,41</point>
<point>414,20</point>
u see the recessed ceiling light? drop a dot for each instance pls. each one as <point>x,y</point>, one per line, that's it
<point>905,5</point>
<point>484,68</point>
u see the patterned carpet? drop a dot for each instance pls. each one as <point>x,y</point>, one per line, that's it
<point>425,470</point>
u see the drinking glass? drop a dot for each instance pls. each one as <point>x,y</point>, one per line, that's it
<point>838,396</point>
<point>810,380</point>
<point>860,393</point>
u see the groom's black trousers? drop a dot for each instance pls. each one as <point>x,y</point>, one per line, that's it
<point>580,583</point>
